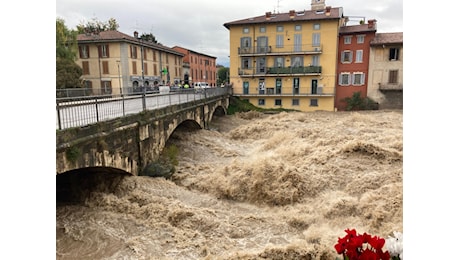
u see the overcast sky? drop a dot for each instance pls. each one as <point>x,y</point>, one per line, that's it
<point>198,24</point>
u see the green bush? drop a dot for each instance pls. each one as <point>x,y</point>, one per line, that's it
<point>356,102</point>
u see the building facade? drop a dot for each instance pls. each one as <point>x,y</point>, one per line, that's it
<point>201,67</point>
<point>117,63</point>
<point>287,60</point>
<point>353,61</point>
<point>385,84</point>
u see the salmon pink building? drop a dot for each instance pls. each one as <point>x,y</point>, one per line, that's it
<point>353,61</point>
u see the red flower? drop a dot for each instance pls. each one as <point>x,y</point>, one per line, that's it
<point>377,242</point>
<point>361,247</point>
<point>341,245</point>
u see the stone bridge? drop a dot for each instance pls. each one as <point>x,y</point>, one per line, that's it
<point>128,144</point>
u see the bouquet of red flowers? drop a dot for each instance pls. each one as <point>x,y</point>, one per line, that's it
<point>355,246</point>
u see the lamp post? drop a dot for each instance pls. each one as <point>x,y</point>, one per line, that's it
<point>136,35</point>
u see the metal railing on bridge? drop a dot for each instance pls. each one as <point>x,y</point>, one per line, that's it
<point>86,110</point>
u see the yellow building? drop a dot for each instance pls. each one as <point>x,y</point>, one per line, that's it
<point>286,60</point>
<point>117,63</point>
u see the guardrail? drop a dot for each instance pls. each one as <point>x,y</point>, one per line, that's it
<point>86,110</point>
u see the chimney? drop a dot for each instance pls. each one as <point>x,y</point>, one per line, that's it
<point>292,14</point>
<point>328,10</point>
<point>371,23</point>
<point>268,15</point>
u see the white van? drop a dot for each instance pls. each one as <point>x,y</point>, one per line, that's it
<point>201,85</point>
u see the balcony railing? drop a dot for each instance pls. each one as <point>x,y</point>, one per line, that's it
<point>295,70</point>
<point>285,49</point>
<point>275,71</point>
<point>286,92</point>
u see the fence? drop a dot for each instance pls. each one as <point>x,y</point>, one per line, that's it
<point>85,110</point>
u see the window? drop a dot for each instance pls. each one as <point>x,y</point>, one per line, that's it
<point>394,53</point>
<point>358,78</point>
<point>103,51</point>
<point>278,86</point>
<point>88,84</point>
<point>245,44</point>
<point>245,30</point>
<point>279,28</point>
<point>297,61</point>
<point>347,56</point>
<point>315,60</point>
<point>344,79</point>
<point>279,62</point>
<point>262,44</point>
<point>261,65</point>
<point>146,69</point>
<point>316,39</point>
<point>393,77</point>
<point>105,67</point>
<point>295,102</point>
<point>245,87</point>
<point>134,67</point>
<point>295,85</point>
<point>347,39</point>
<point>277,102</point>
<point>360,38</point>
<point>279,41</point>
<point>316,26</point>
<point>133,52</point>
<point>314,102</point>
<point>85,67</point>
<point>359,56</point>
<point>106,87</point>
<point>261,102</point>
<point>246,63</point>
<point>298,27</point>
<point>84,51</point>
<point>262,29</point>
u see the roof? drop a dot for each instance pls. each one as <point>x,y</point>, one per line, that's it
<point>178,48</point>
<point>388,38</point>
<point>357,29</point>
<point>305,15</point>
<point>116,36</point>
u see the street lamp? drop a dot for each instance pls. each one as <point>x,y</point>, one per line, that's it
<point>136,35</point>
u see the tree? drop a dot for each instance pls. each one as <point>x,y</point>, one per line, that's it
<point>222,75</point>
<point>68,73</point>
<point>149,37</point>
<point>66,41</point>
<point>98,26</point>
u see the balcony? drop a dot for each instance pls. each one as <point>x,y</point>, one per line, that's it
<point>279,50</point>
<point>271,91</point>
<point>309,70</point>
<point>277,71</point>
<point>390,86</point>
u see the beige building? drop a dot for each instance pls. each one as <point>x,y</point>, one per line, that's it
<point>114,63</point>
<point>385,83</point>
<point>286,60</point>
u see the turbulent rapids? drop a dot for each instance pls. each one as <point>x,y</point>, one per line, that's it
<point>255,186</point>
